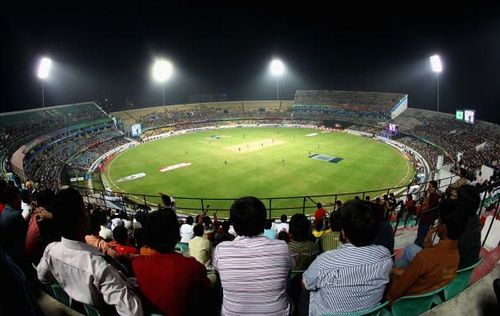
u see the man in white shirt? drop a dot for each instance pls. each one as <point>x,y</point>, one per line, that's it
<point>187,230</point>
<point>80,269</point>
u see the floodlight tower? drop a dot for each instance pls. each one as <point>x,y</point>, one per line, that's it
<point>437,68</point>
<point>162,71</point>
<point>43,73</point>
<point>277,69</point>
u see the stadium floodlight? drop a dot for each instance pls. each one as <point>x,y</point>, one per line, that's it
<point>277,69</point>
<point>437,68</point>
<point>162,71</point>
<point>43,74</point>
<point>436,64</point>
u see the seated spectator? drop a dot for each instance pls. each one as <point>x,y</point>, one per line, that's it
<point>199,247</point>
<point>121,243</point>
<point>330,239</point>
<point>283,235</point>
<point>97,221</point>
<point>302,249</point>
<point>223,234</point>
<point>354,276</point>
<point>385,232</point>
<point>15,298</point>
<point>13,227</point>
<point>171,283</point>
<point>187,230</point>
<point>261,289</point>
<point>79,268</point>
<point>320,212</point>
<point>427,214</point>
<point>269,232</point>
<point>469,243</point>
<point>318,229</point>
<point>432,267</point>
<point>283,225</point>
<point>41,228</point>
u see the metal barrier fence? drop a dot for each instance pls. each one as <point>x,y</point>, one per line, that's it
<point>276,206</point>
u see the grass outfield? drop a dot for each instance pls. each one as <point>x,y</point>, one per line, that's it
<point>264,162</point>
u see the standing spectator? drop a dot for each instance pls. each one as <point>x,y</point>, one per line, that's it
<point>320,212</point>
<point>172,283</point>
<point>261,290</point>
<point>187,230</point>
<point>354,276</point>
<point>199,247</point>
<point>79,268</point>
<point>302,249</point>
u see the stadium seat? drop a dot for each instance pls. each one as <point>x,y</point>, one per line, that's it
<point>375,311</point>
<point>460,282</point>
<point>59,294</point>
<point>91,310</point>
<point>415,304</point>
<point>182,247</point>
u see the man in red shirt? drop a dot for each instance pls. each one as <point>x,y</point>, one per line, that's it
<point>320,213</point>
<point>171,283</point>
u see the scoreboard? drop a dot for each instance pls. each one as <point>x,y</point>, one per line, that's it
<point>467,116</point>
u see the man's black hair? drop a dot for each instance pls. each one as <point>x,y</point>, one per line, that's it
<point>120,234</point>
<point>248,215</point>
<point>434,184</point>
<point>318,205</point>
<point>299,227</point>
<point>166,200</point>
<point>10,194</point>
<point>453,218</point>
<point>198,230</point>
<point>335,221</point>
<point>269,224</point>
<point>69,212</point>
<point>162,230</point>
<point>283,218</point>
<point>468,199</point>
<point>225,226</point>
<point>359,223</point>
<point>189,220</point>
<point>45,199</point>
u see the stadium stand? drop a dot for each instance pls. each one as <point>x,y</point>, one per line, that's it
<point>43,144</point>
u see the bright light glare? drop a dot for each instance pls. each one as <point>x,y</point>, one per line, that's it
<point>162,70</point>
<point>277,67</point>
<point>436,64</point>
<point>44,68</point>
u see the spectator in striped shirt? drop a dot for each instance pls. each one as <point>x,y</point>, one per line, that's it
<point>253,269</point>
<point>354,276</point>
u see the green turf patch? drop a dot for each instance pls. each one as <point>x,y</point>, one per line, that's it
<point>282,169</point>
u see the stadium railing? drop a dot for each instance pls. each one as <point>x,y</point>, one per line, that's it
<point>276,206</point>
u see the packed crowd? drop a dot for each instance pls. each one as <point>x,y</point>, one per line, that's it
<point>172,118</point>
<point>247,264</point>
<point>457,137</point>
<point>85,158</point>
<point>45,165</point>
<point>429,152</point>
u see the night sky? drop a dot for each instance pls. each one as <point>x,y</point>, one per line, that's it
<point>106,51</point>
